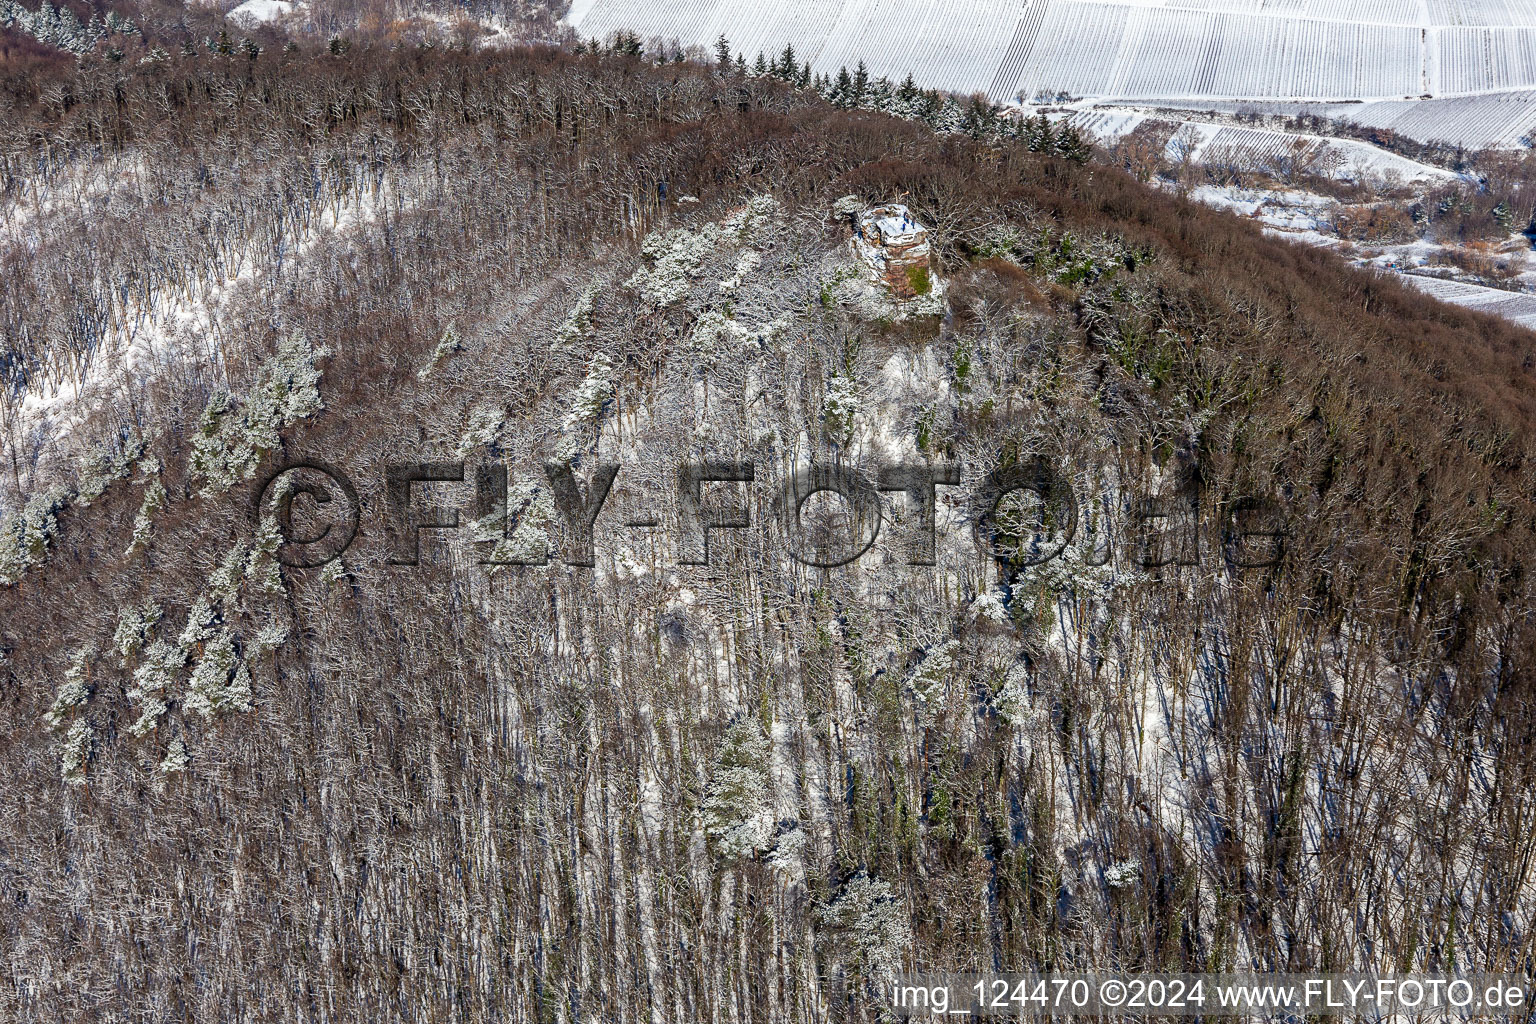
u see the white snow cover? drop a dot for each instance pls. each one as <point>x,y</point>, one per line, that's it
<point>1494,120</point>
<point>1128,49</point>
<point>255,12</point>
<point>1517,306</point>
<point>177,326</point>
<point>1259,148</point>
<point>1305,217</point>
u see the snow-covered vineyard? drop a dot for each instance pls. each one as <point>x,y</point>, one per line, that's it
<point>1496,121</point>
<point>1501,120</point>
<point>1257,148</point>
<point>1517,306</point>
<point>1319,50</point>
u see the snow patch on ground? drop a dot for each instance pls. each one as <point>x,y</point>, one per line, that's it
<point>258,12</point>
<point>177,327</point>
<point>1285,209</point>
<point>1259,149</point>
<point>1305,217</point>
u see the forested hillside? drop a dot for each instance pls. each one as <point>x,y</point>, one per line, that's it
<point>1270,705</point>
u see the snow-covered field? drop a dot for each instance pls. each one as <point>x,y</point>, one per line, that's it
<point>1302,216</point>
<point>1497,120</point>
<point>1395,51</point>
<point>1260,148</point>
<point>1517,306</point>
<point>255,12</point>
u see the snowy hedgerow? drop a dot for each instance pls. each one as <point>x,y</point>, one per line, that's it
<point>447,345</point>
<point>738,808</point>
<point>154,497</point>
<point>133,626</point>
<point>221,683</point>
<point>868,915</point>
<point>25,536</point>
<point>73,693</point>
<point>578,325</point>
<point>230,442</point>
<point>75,752</point>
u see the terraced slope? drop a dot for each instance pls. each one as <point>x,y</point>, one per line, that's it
<point>1192,49</point>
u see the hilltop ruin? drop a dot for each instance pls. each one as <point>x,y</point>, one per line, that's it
<point>894,246</point>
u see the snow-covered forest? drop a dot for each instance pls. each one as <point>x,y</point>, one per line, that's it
<point>483,788</point>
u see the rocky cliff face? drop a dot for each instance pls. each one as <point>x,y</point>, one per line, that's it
<point>894,246</point>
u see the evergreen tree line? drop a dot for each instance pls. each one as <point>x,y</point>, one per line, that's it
<point>59,26</point>
<point>974,116</point>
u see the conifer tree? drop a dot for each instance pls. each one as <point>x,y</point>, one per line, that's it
<point>738,807</point>
<point>880,95</point>
<point>789,68</point>
<point>1070,143</point>
<point>842,92</point>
